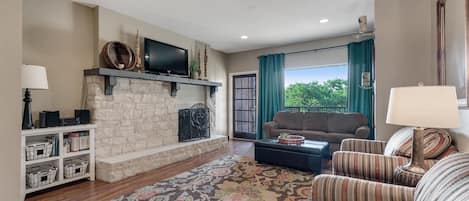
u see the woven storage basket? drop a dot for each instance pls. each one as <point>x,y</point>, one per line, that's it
<point>39,150</point>
<point>75,168</point>
<point>40,176</point>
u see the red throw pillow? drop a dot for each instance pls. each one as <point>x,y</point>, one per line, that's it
<point>436,141</point>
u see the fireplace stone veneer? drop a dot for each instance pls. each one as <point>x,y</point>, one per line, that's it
<point>139,117</point>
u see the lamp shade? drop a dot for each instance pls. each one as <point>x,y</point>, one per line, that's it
<point>423,106</point>
<point>33,77</point>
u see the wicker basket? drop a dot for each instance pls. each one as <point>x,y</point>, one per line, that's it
<point>39,150</point>
<point>75,168</point>
<point>40,176</point>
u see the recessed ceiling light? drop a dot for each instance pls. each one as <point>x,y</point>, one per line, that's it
<point>324,20</point>
<point>244,37</point>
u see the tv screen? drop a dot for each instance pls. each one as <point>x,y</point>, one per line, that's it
<point>164,58</point>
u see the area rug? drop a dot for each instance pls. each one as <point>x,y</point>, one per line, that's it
<point>232,178</point>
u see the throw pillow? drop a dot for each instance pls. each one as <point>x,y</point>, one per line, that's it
<point>436,141</point>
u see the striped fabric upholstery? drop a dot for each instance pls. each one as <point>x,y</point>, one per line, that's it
<point>447,180</point>
<point>374,167</point>
<point>337,188</point>
<point>406,178</point>
<point>436,141</point>
<point>364,146</point>
<point>451,150</point>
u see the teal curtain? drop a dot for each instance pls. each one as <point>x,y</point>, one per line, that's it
<point>271,89</point>
<point>360,59</point>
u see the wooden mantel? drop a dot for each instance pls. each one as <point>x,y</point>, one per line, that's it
<point>110,76</point>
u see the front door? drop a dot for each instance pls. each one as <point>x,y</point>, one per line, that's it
<point>244,106</point>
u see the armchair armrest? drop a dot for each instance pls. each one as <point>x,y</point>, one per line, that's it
<point>362,132</point>
<point>330,187</point>
<point>267,128</point>
<point>374,167</point>
<point>365,146</point>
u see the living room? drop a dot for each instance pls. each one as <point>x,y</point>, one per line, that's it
<point>241,116</point>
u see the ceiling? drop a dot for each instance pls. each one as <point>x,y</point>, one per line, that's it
<point>268,23</point>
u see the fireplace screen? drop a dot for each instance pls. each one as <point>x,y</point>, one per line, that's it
<point>194,123</point>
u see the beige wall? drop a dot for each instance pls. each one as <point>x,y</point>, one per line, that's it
<point>66,38</point>
<point>59,35</point>
<point>456,45</point>
<point>113,26</point>
<point>404,51</point>
<point>10,88</point>
<point>217,72</point>
<point>247,61</point>
<point>461,135</point>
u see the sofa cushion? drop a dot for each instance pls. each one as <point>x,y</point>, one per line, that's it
<point>436,141</point>
<point>345,122</point>
<point>326,137</point>
<point>289,120</point>
<point>315,121</point>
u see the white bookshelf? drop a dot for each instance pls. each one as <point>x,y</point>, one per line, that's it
<point>58,161</point>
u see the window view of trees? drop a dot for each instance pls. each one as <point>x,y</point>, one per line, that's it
<point>317,89</point>
<point>331,93</point>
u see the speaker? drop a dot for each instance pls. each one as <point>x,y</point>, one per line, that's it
<point>52,118</point>
<point>83,115</point>
<point>42,120</point>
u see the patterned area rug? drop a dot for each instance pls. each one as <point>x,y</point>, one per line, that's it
<point>231,178</point>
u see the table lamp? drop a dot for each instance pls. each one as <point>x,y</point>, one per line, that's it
<point>32,77</point>
<point>422,107</point>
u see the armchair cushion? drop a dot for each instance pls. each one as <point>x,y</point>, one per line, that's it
<point>447,180</point>
<point>374,167</point>
<point>364,146</point>
<point>436,141</point>
<point>335,188</point>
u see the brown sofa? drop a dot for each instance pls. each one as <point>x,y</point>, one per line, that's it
<point>321,126</point>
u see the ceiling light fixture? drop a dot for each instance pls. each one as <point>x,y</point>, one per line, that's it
<point>324,20</point>
<point>244,37</point>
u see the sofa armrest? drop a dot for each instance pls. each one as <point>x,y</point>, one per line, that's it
<point>267,128</point>
<point>374,167</point>
<point>362,132</point>
<point>331,187</point>
<point>365,146</point>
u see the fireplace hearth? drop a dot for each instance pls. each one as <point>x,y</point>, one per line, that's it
<point>194,123</point>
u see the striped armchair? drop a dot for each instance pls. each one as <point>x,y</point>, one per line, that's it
<point>446,180</point>
<point>366,159</point>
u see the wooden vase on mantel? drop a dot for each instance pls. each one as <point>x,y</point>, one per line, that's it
<point>138,64</point>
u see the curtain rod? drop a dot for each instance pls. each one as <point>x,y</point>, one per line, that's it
<point>313,50</point>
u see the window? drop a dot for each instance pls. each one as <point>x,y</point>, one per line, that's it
<point>317,88</point>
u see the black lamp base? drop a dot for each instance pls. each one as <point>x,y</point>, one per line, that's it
<point>27,116</point>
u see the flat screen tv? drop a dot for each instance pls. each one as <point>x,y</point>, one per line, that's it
<point>162,58</point>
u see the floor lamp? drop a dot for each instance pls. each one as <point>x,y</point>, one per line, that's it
<point>422,107</point>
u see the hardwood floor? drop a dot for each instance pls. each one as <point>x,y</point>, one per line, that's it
<point>98,190</point>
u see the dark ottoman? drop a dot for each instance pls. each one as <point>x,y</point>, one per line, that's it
<point>307,157</point>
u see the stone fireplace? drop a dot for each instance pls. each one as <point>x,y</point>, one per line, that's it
<point>137,127</point>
